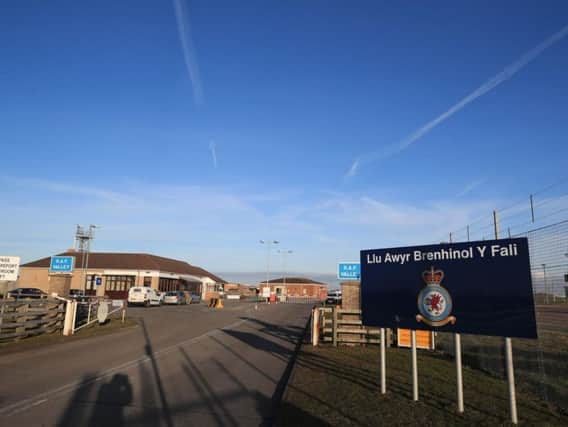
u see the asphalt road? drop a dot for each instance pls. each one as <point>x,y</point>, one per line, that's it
<point>186,366</point>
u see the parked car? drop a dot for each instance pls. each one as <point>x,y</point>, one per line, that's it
<point>22,293</point>
<point>161,295</point>
<point>195,298</point>
<point>175,297</point>
<point>333,298</point>
<point>142,295</point>
<point>76,293</point>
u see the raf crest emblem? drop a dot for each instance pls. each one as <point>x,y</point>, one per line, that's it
<point>434,301</point>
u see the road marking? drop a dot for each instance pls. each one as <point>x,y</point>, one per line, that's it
<point>41,398</point>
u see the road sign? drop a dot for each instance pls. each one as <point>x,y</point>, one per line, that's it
<point>98,281</point>
<point>61,264</point>
<point>480,288</point>
<point>9,268</point>
<point>349,271</point>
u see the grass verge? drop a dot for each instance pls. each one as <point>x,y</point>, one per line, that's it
<point>112,326</point>
<point>339,387</point>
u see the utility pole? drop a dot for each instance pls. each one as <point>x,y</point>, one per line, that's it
<point>285,254</point>
<point>268,243</point>
<point>545,284</point>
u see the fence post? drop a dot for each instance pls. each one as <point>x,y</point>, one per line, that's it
<point>1,316</point>
<point>315,325</point>
<point>69,323</point>
<point>335,326</point>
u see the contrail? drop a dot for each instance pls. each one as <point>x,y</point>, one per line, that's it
<point>184,32</point>
<point>489,85</point>
<point>213,149</point>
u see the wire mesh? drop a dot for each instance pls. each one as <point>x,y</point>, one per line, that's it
<point>541,365</point>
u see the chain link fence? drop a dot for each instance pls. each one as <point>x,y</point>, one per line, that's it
<point>541,366</point>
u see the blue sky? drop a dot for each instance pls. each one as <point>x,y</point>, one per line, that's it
<point>194,135</point>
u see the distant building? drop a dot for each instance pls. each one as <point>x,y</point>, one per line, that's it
<point>295,287</point>
<point>232,290</point>
<point>113,274</point>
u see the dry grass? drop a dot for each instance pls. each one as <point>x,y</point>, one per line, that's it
<point>339,387</point>
<point>112,326</point>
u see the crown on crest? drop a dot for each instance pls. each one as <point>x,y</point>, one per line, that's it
<point>433,277</point>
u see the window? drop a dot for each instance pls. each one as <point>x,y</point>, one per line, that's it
<point>166,285</point>
<point>148,281</point>
<point>90,285</point>
<point>119,283</point>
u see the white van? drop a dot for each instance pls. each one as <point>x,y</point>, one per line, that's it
<point>143,295</point>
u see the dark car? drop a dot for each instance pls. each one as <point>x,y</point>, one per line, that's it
<point>76,293</point>
<point>22,293</point>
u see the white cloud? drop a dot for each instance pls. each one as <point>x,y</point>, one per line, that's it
<point>219,228</point>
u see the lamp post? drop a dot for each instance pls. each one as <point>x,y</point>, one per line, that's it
<point>285,254</point>
<point>268,243</point>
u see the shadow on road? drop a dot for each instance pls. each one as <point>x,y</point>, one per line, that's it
<point>112,398</point>
<point>288,333</point>
<point>76,412</point>
<point>106,409</point>
<point>157,378</point>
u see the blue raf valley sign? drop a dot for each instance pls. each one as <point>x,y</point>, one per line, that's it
<point>482,288</point>
<point>61,264</point>
<point>349,270</point>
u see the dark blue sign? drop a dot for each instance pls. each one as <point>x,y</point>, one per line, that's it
<point>61,264</point>
<point>348,271</point>
<point>98,281</point>
<point>479,288</point>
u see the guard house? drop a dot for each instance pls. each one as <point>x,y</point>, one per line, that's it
<point>296,287</point>
<point>113,274</point>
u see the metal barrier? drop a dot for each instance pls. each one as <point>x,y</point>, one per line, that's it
<point>87,312</point>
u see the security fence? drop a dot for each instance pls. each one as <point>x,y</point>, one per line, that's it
<point>541,366</point>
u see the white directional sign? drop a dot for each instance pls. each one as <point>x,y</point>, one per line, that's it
<point>9,268</point>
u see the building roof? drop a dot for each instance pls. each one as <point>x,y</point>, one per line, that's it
<point>129,261</point>
<point>293,280</point>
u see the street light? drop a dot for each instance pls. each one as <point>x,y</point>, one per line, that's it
<point>268,243</point>
<point>285,254</point>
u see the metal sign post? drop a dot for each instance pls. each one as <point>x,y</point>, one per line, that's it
<point>459,380</point>
<point>511,380</point>
<point>414,367</point>
<point>508,349</point>
<point>383,363</point>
